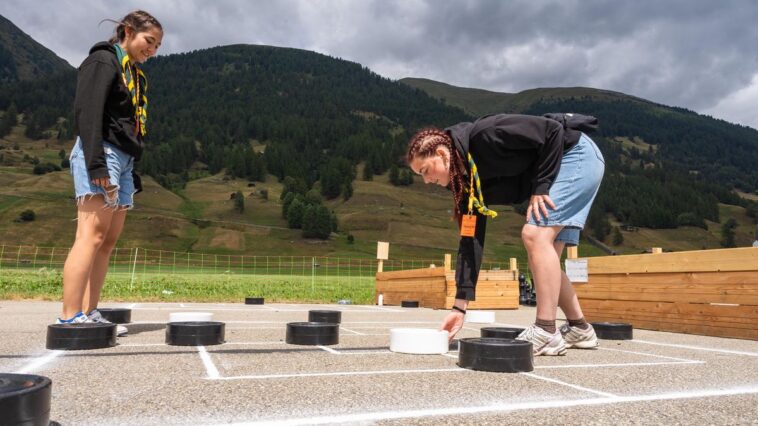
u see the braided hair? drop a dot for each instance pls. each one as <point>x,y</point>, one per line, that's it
<point>424,144</point>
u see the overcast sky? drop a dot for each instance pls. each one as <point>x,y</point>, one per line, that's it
<point>697,54</point>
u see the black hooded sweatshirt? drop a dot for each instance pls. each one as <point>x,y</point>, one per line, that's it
<point>517,156</point>
<point>103,110</point>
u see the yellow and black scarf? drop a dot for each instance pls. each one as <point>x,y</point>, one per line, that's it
<point>137,87</point>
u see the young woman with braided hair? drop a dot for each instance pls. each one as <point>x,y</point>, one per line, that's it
<point>110,116</point>
<point>509,159</point>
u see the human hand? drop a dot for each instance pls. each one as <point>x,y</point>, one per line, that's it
<point>452,323</point>
<point>102,182</point>
<point>537,204</point>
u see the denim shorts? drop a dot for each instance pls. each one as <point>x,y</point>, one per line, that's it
<point>574,190</point>
<point>120,166</point>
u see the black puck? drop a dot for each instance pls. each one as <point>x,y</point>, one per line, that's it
<point>409,304</point>
<point>195,333</point>
<point>501,332</point>
<point>333,317</point>
<point>24,399</point>
<point>613,330</point>
<point>253,300</point>
<point>498,355</point>
<point>116,315</point>
<point>81,336</point>
<point>312,333</point>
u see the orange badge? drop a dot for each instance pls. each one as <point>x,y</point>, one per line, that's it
<point>468,225</point>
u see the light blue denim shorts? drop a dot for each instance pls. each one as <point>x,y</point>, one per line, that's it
<point>120,166</point>
<point>574,190</point>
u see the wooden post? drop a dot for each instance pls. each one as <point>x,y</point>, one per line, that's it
<point>448,262</point>
<point>572,252</point>
<point>656,250</point>
<point>382,254</point>
<point>513,264</point>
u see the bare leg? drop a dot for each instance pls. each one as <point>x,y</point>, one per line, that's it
<point>100,265</point>
<point>93,221</point>
<point>567,299</point>
<point>546,267</point>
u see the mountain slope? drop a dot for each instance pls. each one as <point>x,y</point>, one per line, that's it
<point>22,58</point>
<point>480,102</point>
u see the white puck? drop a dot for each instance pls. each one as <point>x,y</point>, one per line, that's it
<point>482,317</point>
<point>424,341</point>
<point>190,316</point>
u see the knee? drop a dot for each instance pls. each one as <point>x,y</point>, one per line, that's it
<point>534,236</point>
<point>107,244</point>
<point>529,236</point>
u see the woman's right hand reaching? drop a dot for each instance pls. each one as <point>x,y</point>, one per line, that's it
<point>453,323</point>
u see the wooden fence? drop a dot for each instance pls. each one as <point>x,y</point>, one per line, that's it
<point>708,292</point>
<point>435,287</point>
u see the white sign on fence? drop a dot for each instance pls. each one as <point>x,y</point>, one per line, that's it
<point>576,270</point>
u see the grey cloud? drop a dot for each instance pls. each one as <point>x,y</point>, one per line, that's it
<point>696,54</point>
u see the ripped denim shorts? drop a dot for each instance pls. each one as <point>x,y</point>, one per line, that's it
<point>120,166</point>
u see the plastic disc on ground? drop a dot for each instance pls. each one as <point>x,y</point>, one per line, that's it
<point>190,316</point>
<point>422,341</point>
<point>480,317</point>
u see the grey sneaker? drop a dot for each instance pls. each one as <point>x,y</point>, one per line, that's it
<point>79,318</point>
<point>96,316</point>
<point>575,337</point>
<point>543,343</point>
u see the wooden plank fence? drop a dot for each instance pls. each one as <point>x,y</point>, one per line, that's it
<point>708,292</point>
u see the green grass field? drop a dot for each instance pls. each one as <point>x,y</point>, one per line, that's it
<point>46,284</point>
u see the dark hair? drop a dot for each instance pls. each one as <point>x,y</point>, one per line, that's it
<point>139,21</point>
<point>424,144</point>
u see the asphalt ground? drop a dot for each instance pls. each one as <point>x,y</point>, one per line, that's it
<point>256,378</point>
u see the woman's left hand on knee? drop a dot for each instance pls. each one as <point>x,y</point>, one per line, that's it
<point>538,204</point>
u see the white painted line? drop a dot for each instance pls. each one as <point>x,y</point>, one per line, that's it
<point>208,362</point>
<point>378,308</point>
<point>366,352</point>
<point>182,305</point>
<point>577,387</point>
<point>620,364</point>
<point>439,370</point>
<point>37,363</point>
<point>652,355</point>
<point>137,345</point>
<point>499,408</point>
<point>342,373</point>
<point>330,350</point>
<point>697,348</point>
<point>132,306</point>
<point>352,331</point>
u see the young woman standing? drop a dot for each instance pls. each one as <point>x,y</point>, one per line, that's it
<point>110,117</point>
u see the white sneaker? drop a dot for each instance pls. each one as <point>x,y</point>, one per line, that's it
<point>96,316</point>
<point>79,318</point>
<point>575,337</point>
<point>543,343</point>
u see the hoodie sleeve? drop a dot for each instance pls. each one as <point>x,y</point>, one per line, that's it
<point>469,261</point>
<point>94,82</point>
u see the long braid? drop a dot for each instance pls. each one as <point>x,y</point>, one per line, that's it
<point>424,144</point>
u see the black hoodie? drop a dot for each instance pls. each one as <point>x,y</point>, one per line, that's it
<point>103,110</point>
<point>517,156</point>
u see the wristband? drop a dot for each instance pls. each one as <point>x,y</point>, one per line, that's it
<point>463,311</point>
